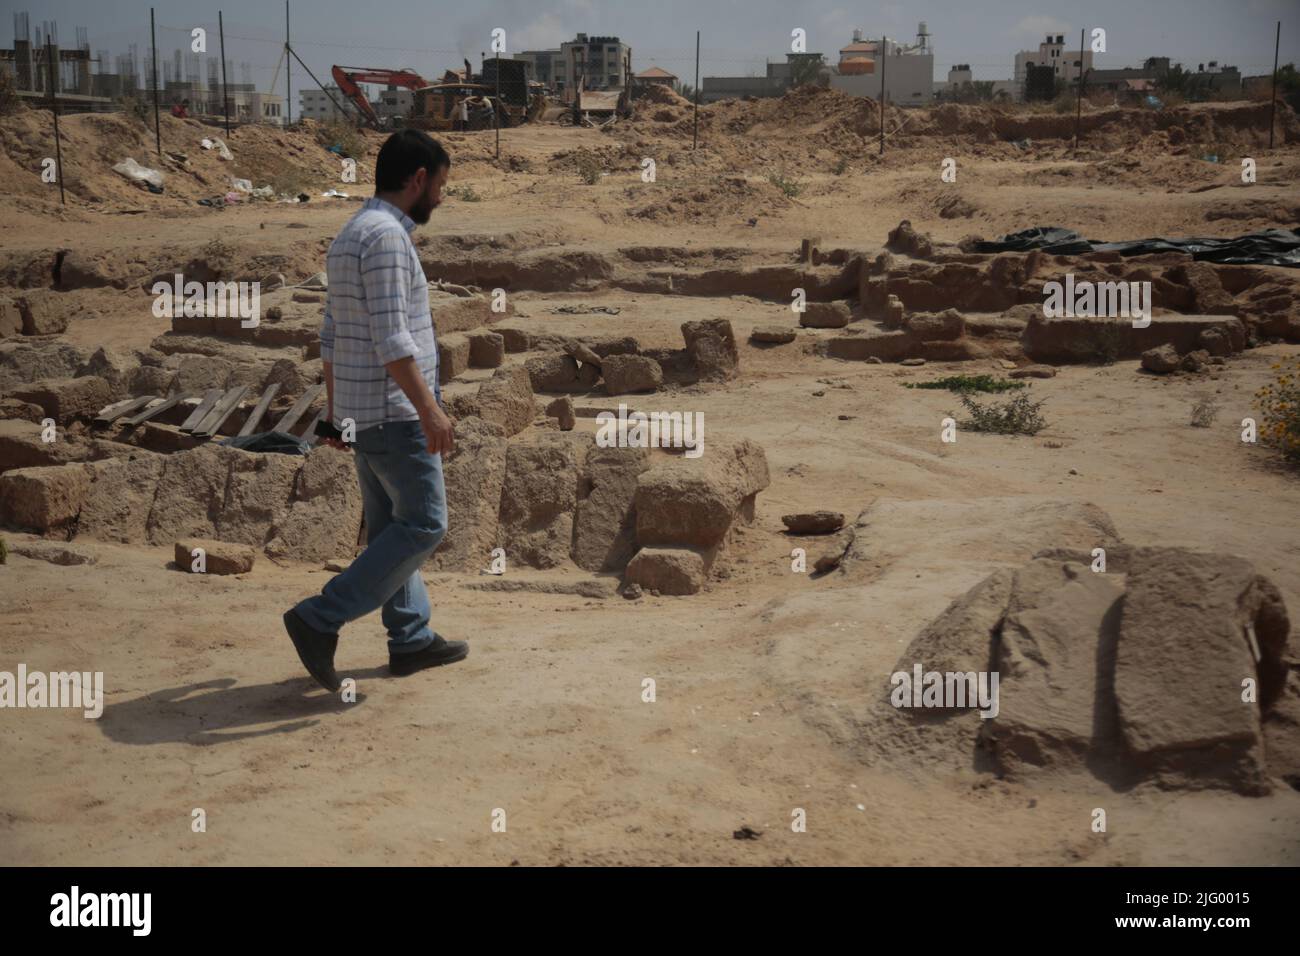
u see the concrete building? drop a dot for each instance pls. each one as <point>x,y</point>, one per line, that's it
<point>599,63</point>
<point>777,78</point>
<point>1055,53</point>
<point>392,102</point>
<point>315,104</point>
<point>959,74</point>
<point>1213,79</point>
<point>29,63</point>
<point>960,81</point>
<point>267,108</point>
<point>656,76</point>
<point>546,67</point>
<point>908,69</point>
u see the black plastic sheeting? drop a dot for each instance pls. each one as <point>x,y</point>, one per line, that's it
<point>1272,247</point>
<point>278,442</point>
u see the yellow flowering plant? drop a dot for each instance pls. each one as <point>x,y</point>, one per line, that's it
<point>1279,406</point>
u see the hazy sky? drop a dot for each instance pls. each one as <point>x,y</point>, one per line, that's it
<point>737,35</point>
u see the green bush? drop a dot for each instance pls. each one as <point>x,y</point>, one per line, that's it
<point>788,186</point>
<point>589,168</point>
<point>1019,416</point>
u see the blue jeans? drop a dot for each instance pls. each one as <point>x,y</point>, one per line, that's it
<point>405,506</point>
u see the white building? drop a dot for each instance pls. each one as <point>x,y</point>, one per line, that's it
<point>316,105</point>
<point>1053,52</point>
<point>907,69</point>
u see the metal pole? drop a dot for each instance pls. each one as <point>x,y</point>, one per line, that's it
<point>225,95</point>
<point>337,105</point>
<point>1078,113</point>
<point>695,123</point>
<point>157,124</point>
<point>1272,106</point>
<point>884,55</point>
<point>288,87</point>
<point>54,108</point>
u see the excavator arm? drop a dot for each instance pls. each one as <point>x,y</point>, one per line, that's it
<point>349,78</point>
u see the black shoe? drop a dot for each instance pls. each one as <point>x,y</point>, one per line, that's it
<point>315,650</point>
<point>440,652</point>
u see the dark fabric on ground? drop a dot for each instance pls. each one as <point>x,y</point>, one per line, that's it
<point>279,442</point>
<point>1271,247</point>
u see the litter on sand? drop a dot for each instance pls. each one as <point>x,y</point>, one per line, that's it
<point>139,174</point>
<point>222,149</point>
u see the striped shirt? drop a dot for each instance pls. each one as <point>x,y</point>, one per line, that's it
<point>376,311</point>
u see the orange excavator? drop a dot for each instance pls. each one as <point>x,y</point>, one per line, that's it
<point>460,96</point>
<point>349,78</point>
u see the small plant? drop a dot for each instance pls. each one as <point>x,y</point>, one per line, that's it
<point>1018,416</point>
<point>1107,343</point>
<point>589,170</point>
<point>788,186</point>
<point>4,552</point>
<point>1279,406</point>
<point>464,193</point>
<point>841,167</point>
<point>969,383</point>
<point>1204,412</point>
<point>343,135</point>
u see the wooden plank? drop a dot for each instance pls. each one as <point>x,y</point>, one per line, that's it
<point>220,412</point>
<point>259,410</point>
<point>153,411</point>
<point>310,433</point>
<point>115,411</point>
<point>209,399</point>
<point>300,407</point>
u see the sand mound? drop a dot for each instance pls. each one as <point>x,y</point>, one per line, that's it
<point>93,143</point>
<point>661,95</point>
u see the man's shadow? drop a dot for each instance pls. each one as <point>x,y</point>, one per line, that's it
<point>210,712</point>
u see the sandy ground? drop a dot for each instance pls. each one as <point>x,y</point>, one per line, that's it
<point>207,707</point>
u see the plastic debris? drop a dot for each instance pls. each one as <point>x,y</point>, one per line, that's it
<point>242,185</point>
<point>334,194</point>
<point>222,149</point>
<point>139,174</point>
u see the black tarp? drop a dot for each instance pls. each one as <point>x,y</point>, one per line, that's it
<point>277,442</point>
<point>1272,247</point>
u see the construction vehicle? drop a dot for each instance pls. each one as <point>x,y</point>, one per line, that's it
<point>349,78</point>
<point>597,108</point>
<point>502,93</point>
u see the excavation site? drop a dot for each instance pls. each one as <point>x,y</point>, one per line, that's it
<point>828,488</point>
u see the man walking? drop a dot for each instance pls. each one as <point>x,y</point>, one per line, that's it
<point>380,364</point>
